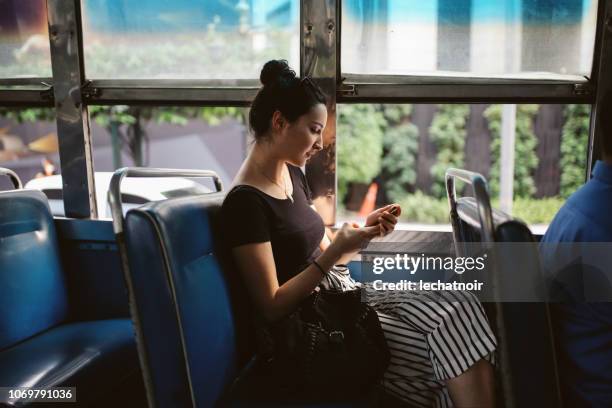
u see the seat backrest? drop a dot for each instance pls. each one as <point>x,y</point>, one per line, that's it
<point>523,327</point>
<point>33,294</point>
<point>183,299</point>
<point>518,275</point>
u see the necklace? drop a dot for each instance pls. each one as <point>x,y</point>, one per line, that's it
<point>283,187</point>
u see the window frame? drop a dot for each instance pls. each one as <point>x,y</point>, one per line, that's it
<point>431,89</point>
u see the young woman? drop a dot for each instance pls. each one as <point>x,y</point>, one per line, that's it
<point>441,351</point>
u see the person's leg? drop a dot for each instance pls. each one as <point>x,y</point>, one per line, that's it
<point>475,387</point>
<point>463,346</point>
<point>410,376</point>
<point>458,337</point>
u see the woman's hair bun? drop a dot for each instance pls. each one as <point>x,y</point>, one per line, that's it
<point>275,71</point>
<point>282,91</point>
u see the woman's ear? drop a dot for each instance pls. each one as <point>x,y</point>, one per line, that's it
<point>278,121</point>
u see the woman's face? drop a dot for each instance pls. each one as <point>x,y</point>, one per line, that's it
<point>301,139</point>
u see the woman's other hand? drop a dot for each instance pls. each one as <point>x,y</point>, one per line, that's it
<point>351,238</point>
<point>385,218</point>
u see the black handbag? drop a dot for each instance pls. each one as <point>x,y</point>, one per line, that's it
<point>332,346</point>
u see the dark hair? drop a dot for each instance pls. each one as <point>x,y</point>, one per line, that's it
<point>282,91</point>
<point>605,118</point>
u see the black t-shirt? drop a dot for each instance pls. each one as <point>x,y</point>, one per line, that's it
<point>294,229</point>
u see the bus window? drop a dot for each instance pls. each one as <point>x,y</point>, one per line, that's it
<point>24,40</point>
<point>524,39</point>
<point>399,153</point>
<point>204,40</point>
<point>212,138</point>
<point>28,142</point>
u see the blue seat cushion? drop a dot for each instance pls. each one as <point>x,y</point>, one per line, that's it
<point>94,356</point>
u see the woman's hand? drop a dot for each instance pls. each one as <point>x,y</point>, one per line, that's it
<point>351,238</point>
<point>385,217</point>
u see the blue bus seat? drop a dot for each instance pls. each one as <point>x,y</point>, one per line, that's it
<point>39,346</point>
<point>187,308</point>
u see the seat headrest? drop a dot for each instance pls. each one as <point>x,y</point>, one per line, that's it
<point>507,229</point>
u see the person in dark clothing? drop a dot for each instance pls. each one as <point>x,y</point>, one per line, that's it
<point>580,273</point>
<point>440,352</point>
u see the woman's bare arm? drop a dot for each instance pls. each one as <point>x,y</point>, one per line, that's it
<point>381,217</point>
<point>256,263</point>
<point>328,237</point>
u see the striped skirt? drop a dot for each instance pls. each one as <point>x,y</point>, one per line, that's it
<point>432,337</point>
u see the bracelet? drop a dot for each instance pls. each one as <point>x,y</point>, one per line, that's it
<point>315,263</point>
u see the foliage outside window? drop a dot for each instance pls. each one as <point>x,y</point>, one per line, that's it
<point>574,148</point>
<point>448,132</point>
<point>28,115</point>
<point>526,142</point>
<point>359,145</point>
<point>402,151</point>
<point>400,147</point>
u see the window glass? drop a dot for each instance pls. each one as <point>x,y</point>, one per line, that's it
<point>515,38</point>
<point>212,39</point>
<point>28,144</point>
<point>24,39</point>
<point>399,153</point>
<point>208,138</point>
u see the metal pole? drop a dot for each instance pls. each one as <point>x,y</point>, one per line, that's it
<point>319,59</point>
<point>12,176</point>
<point>506,166</point>
<point>116,144</point>
<point>65,35</point>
